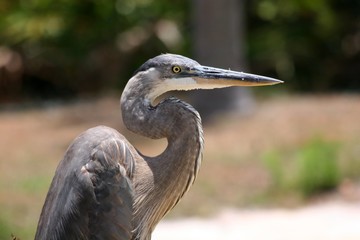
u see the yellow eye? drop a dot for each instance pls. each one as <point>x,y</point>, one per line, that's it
<point>176,69</point>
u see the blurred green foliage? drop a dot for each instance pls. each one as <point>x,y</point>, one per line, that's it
<point>318,169</point>
<point>274,165</point>
<point>70,47</point>
<point>310,169</point>
<point>312,44</point>
<point>5,231</point>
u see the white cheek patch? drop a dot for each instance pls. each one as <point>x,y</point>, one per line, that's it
<point>172,84</point>
<point>182,84</point>
<point>189,83</point>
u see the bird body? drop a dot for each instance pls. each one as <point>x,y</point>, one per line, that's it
<point>104,188</point>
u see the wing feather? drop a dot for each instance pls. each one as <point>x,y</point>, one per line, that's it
<point>91,194</point>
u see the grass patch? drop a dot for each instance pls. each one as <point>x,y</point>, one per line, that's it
<point>34,184</point>
<point>17,221</point>
<point>309,169</point>
<point>5,229</point>
<point>318,168</point>
<point>274,163</point>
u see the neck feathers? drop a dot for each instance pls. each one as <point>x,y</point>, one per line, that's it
<point>160,182</point>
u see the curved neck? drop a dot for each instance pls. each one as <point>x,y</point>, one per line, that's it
<point>171,173</point>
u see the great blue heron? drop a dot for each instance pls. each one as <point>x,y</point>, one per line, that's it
<point>104,188</point>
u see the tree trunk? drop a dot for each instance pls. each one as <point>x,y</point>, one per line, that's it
<point>218,41</point>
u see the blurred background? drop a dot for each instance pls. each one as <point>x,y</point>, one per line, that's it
<point>63,65</point>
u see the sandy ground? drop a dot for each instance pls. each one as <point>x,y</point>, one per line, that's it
<point>327,221</point>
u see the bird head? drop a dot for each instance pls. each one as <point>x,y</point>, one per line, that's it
<point>168,72</point>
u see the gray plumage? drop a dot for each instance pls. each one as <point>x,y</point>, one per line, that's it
<point>104,188</point>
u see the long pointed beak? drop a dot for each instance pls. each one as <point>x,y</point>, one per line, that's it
<point>217,77</point>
